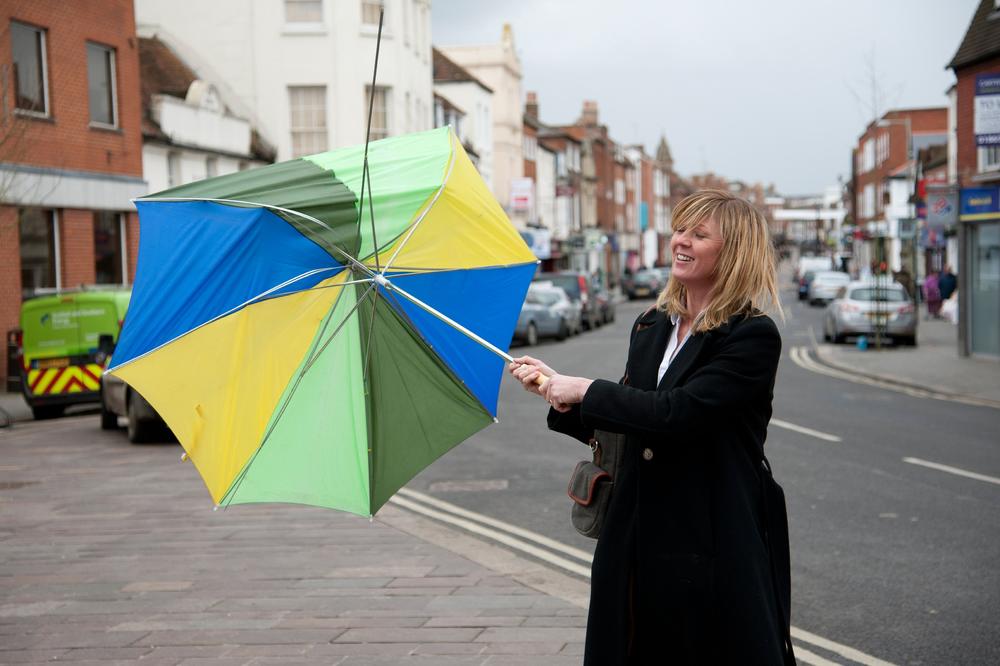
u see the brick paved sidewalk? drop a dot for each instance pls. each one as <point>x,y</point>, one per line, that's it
<point>111,553</point>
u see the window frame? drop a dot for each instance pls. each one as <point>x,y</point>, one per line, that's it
<point>56,250</point>
<point>983,162</point>
<point>113,76</point>
<point>46,102</point>
<point>369,99</point>
<point>301,130</point>
<point>122,247</point>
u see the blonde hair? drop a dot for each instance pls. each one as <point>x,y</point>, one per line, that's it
<point>745,281</point>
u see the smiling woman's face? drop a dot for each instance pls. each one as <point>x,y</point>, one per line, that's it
<point>695,252</point>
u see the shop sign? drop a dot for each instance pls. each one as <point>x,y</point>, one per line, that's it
<point>986,119</point>
<point>979,203</point>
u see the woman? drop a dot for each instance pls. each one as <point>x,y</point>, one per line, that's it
<point>683,572</point>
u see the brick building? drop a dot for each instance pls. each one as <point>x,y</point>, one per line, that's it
<point>71,147</point>
<point>884,183</point>
<point>976,174</point>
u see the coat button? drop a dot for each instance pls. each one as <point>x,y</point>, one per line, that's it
<point>647,454</point>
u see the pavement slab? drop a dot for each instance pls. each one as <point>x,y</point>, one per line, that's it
<point>110,553</point>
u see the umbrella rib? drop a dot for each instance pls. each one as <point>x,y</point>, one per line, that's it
<point>290,211</point>
<point>228,498</point>
<point>427,209</point>
<point>259,297</point>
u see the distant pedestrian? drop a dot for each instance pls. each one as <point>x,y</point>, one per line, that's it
<point>947,283</point>
<point>932,295</point>
<point>691,566</point>
<point>902,276</point>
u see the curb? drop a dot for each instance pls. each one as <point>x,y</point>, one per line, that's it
<point>823,359</point>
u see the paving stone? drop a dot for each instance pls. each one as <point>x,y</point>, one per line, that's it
<point>475,621</point>
<point>105,653</point>
<point>15,656</point>
<point>409,635</point>
<point>556,621</point>
<point>514,660</point>
<point>534,647</point>
<point>531,634</point>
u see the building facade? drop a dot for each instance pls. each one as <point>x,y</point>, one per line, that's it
<point>976,175</point>
<point>475,100</point>
<point>71,148</point>
<point>188,131</point>
<point>499,68</point>
<point>301,70</point>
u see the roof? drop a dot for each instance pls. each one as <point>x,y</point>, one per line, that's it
<point>982,39</point>
<point>447,70</point>
<point>162,72</point>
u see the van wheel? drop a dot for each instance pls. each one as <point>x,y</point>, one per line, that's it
<point>138,430</point>
<point>43,412</point>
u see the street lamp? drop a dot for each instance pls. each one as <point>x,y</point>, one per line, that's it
<point>911,171</point>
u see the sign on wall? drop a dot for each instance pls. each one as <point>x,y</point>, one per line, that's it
<point>522,195</point>
<point>986,120</point>
<point>540,242</point>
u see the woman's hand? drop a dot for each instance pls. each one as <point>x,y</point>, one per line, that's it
<point>528,371</point>
<point>562,392</point>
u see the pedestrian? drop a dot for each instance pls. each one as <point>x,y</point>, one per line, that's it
<point>902,276</point>
<point>947,283</point>
<point>932,296</point>
<point>690,566</point>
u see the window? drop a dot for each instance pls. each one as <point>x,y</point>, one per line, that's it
<point>173,169</point>
<point>989,158</point>
<point>619,191</point>
<point>39,250</point>
<point>308,119</point>
<point>409,114</point>
<point>27,45</point>
<point>380,111</point>
<point>211,167</point>
<point>370,11</point>
<point>530,148</point>
<point>109,254</point>
<point>101,85</point>
<point>868,156</point>
<point>868,210</point>
<point>303,11</point>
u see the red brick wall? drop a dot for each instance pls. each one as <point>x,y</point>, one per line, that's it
<point>10,279</point>
<point>65,140</point>
<point>132,243</point>
<point>76,247</point>
<point>964,116</point>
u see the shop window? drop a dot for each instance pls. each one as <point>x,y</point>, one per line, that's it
<point>109,256</point>
<point>39,250</point>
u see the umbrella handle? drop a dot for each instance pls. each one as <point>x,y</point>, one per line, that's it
<point>540,380</point>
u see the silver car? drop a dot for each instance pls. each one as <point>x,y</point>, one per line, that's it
<point>547,312</point>
<point>869,307</point>
<point>825,285</point>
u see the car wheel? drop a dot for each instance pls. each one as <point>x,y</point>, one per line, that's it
<point>839,338</point>
<point>109,420</point>
<point>531,337</point>
<point>138,430</point>
<point>908,340</point>
<point>563,332</point>
<point>826,335</point>
<point>44,412</point>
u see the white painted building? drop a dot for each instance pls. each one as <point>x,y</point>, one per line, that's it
<point>475,98</point>
<point>498,66</point>
<point>193,137</point>
<point>301,70</point>
<point>545,191</point>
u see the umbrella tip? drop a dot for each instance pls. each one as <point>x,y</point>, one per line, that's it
<point>496,420</point>
<point>184,456</point>
<point>215,508</point>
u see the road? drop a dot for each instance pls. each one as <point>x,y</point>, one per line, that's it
<point>896,560</point>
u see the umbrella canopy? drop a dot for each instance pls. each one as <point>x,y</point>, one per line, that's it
<point>302,354</point>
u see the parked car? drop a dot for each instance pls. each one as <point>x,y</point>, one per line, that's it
<point>813,264</point>
<point>120,399</point>
<point>645,283</point>
<point>861,308</point>
<point>825,285</point>
<point>580,289</point>
<point>547,313</point>
<point>804,282</point>
<point>59,346</point>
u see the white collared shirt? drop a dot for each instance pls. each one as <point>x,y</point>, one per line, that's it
<point>672,348</point>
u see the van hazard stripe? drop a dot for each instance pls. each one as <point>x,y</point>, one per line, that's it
<point>48,380</point>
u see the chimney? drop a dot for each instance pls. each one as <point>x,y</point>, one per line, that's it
<point>589,115</point>
<point>531,106</point>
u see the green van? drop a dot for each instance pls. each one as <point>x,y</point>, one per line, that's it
<point>61,358</point>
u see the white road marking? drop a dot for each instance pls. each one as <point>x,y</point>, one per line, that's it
<point>805,431</point>
<point>800,356</point>
<point>952,470</point>
<point>804,656</point>
<point>504,533</point>
<point>510,541</point>
<point>448,507</point>
<point>842,650</point>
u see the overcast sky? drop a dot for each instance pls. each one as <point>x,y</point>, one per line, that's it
<point>771,90</point>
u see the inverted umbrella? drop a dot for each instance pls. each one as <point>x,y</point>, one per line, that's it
<point>301,353</point>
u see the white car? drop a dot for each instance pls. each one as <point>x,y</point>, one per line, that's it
<point>813,264</point>
<point>825,285</point>
<point>871,308</point>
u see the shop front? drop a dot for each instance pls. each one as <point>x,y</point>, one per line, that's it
<point>979,277</point>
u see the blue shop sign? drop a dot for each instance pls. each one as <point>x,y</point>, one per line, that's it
<point>979,203</point>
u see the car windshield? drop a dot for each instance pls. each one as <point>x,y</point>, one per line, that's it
<point>546,297</point>
<point>888,294</point>
<point>569,283</point>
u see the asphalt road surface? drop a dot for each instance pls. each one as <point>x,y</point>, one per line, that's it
<point>892,561</point>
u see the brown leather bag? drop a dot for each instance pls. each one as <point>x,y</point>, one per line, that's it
<point>593,481</point>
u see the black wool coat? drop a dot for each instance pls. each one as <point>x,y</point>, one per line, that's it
<point>683,573</point>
